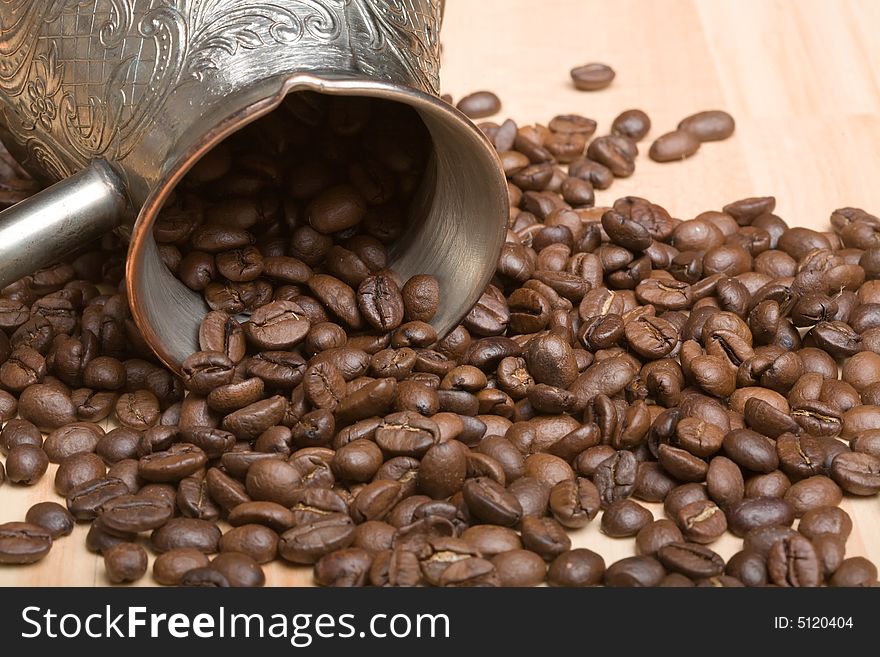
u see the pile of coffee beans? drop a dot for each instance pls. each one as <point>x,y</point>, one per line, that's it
<point>726,366</point>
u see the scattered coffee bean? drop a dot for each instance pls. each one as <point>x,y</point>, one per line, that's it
<point>592,77</point>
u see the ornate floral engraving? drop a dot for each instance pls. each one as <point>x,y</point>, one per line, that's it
<point>82,79</point>
<point>410,29</point>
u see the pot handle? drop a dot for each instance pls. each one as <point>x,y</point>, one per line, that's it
<point>47,226</point>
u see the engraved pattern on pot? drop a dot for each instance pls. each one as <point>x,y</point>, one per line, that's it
<point>83,79</point>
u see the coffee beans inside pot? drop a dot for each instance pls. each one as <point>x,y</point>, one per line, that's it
<point>620,358</point>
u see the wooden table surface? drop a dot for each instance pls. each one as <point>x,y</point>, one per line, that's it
<point>801,77</point>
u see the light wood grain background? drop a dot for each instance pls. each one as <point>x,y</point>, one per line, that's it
<point>801,77</point>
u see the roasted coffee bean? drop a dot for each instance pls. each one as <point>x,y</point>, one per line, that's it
<point>691,559</point>
<point>724,482</point>
<point>307,543</point>
<point>178,461</point>
<point>26,464</point>
<point>624,518</point>
<point>23,543</point>
<point>615,477</point>
<point>186,533</point>
<point>711,125</point>
<point>519,568</point>
<point>490,502</point>
<point>47,406</point>
<point>811,493</point>
<point>615,153</point>
<point>855,571</point>
<point>77,469</point>
<point>826,520</point>
<point>574,503</point>
<point>633,124</point>
<point>748,567</point>
<point>578,567</point>
<point>125,562</point>
<point>592,77</point>
<point>239,569</point>
<point>544,536</point>
<point>746,515</point>
<point>751,450</point>
<point>655,535</point>
<point>641,571</point>
<point>479,104</point>
<point>676,145</point>
<point>137,410</point>
<point>72,439</point>
<point>130,514</point>
<point>52,517</point>
<point>490,540</point>
<point>19,432</point>
<point>277,325</point>
<point>701,521</point>
<point>856,473</point>
<point>792,561</point>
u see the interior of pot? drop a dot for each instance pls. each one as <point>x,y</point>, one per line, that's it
<point>456,219</point>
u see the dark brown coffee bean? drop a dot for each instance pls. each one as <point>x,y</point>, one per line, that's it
<point>344,568</point>
<point>748,567</point>
<point>239,569</point>
<point>751,450</point>
<point>615,477</point>
<point>19,432</point>
<point>579,567</point>
<point>308,543</point>
<point>130,514</point>
<point>221,333</point>
<point>792,561</point>
<point>479,104</point>
<point>519,568</point>
<point>812,493</point>
<point>575,503</point>
<point>77,469</point>
<point>701,521</point>
<point>490,502</point>
<point>257,541</point>
<point>856,473</point>
<point>186,533</point>
<point>691,559</point>
<point>138,410</point>
<point>277,325</point>
<point>826,520</point>
<point>75,438</point>
<point>615,153</point>
<point>748,514</point>
<point>855,571</point>
<point>544,536</point>
<point>173,464</point>
<point>443,469</point>
<point>125,562</point>
<point>625,518</point>
<point>711,125</point>
<point>23,543</point>
<point>26,464</point>
<point>724,482</point>
<point>52,517</point>
<point>336,209</point>
<point>592,77</point>
<point>681,496</point>
<point>46,406</point>
<point>633,124</point>
<point>634,572</point>
<point>672,146</point>
<point>655,535</point>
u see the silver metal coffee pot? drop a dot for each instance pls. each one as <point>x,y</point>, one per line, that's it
<point>115,100</point>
